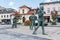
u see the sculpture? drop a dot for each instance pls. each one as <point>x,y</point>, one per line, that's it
<point>14,23</point>
<point>15,20</point>
<point>54,17</point>
<point>40,20</point>
<point>32,19</point>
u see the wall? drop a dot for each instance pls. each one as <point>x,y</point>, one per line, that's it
<point>5,14</point>
<point>51,7</point>
<point>25,10</point>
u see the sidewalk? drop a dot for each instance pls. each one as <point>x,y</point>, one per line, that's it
<point>52,32</point>
<point>24,33</point>
<point>20,33</point>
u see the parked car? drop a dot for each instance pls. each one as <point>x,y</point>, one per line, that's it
<point>2,23</point>
<point>8,22</point>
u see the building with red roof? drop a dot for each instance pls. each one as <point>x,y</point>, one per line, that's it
<point>25,12</point>
<point>24,6</point>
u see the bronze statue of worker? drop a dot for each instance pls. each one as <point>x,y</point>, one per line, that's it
<point>32,19</point>
<point>40,20</point>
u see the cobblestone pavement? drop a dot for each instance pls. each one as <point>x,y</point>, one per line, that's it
<point>9,35</point>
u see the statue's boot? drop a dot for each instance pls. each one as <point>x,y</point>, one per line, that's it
<point>35,30</point>
<point>43,31</point>
<point>13,26</point>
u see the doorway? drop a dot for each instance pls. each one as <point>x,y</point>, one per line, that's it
<point>24,19</point>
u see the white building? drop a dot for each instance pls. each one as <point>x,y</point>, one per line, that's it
<point>5,14</point>
<point>25,12</point>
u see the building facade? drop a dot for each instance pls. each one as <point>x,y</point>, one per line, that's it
<point>51,6</point>
<point>25,12</point>
<point>5,15</point>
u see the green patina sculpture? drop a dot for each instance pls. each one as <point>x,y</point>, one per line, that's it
<point>14,22</point>
<point>32,18</point>
<point>40,20</point>
<point>54,17</point>
<point>15,19</point>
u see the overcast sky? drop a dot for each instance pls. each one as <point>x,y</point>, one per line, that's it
<point>17,3</point>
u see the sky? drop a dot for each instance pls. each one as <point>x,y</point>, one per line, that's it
<point>15,4</point>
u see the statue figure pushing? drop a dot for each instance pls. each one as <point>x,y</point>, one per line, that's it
<point>40,20</point>
<point>32,18</point>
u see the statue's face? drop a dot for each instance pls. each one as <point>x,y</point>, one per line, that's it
<point>42,8</point>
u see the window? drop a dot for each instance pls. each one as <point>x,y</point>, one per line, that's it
<point>53,8</point>
<point>59,9</point>
<point>48,10</point>
<point>0,10</point>
<point>1,16</point>
<point>23,10</point>
<point>7,15</point>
